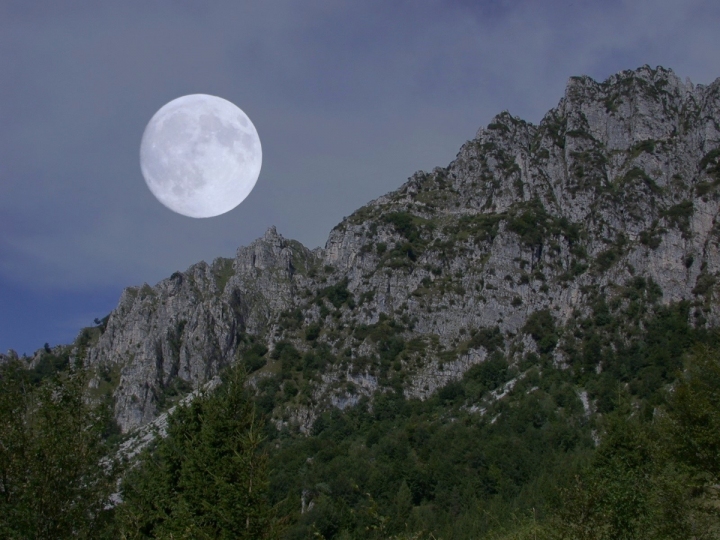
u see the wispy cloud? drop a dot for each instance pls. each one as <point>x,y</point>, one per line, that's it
<point>349,98</point>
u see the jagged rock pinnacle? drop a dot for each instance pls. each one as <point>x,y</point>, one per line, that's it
<point>617,185</point>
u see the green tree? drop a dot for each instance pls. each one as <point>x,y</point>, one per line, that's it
<point>402,507</point>
<point>694,413</point>
<point>207,478</point>
<point>54,479</point>
<point>692,427</point>
<point>657,478</point>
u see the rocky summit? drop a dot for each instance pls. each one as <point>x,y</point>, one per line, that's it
<point>608,206</point>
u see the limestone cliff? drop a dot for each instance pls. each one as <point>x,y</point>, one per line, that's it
<point>616,187</point>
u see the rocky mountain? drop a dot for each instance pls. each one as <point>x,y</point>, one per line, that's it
<point>608,206</point>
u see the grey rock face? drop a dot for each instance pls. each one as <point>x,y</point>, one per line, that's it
<point>187,327</point>
<point>10,356</point>
<point>619,181</point>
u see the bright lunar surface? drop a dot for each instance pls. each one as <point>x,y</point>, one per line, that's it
<point>200,155</point>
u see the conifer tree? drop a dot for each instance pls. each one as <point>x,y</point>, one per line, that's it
<point>55,481</point>
<point>207,478</point>
<point>655,479</point>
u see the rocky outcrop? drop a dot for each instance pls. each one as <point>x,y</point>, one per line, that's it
<point>10,356</point>
<point>618,182</point>
<point>180,333</point>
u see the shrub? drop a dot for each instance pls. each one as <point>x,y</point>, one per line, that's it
<point>489,338</point>
<point>312,332</point>
<point>541,326</point>
<point>254,357</point>
<point>338,294</point>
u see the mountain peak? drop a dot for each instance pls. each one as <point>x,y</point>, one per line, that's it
<point>612,200</point>
<point>271,233</point>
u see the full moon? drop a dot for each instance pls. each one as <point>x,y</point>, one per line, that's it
<point>200,155</point>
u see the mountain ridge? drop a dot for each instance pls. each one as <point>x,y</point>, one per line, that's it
<point>526,234</point>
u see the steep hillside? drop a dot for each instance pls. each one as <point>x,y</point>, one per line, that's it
<point>560,244</point>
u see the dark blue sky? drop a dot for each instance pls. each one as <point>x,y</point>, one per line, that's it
<point>349,99</point>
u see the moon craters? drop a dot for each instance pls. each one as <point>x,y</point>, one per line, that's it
<point>200,155</point>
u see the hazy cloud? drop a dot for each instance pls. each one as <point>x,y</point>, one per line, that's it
<point>349,99</point>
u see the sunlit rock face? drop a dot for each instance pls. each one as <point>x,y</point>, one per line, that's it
<point>616,187</point>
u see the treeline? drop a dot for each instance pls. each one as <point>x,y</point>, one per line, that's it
<point>529,468</point>
<point>60,476</point>
<point>55,481</point>
<point>654,476</point>
<point>534,465</point>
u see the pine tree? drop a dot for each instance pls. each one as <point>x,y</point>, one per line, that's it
<point>695,413</point>
<point>207,478</point>
<point>657,478</point>
<point>54,480</point>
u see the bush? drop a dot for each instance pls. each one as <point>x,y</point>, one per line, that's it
<point>541,326</point>
<point>338,294</point>
<point>254,357</point>
<point>312,332</point>
<point>451,392</point>
<point>489,338</point>
<point>490,374</point>
<point>404,224</point>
